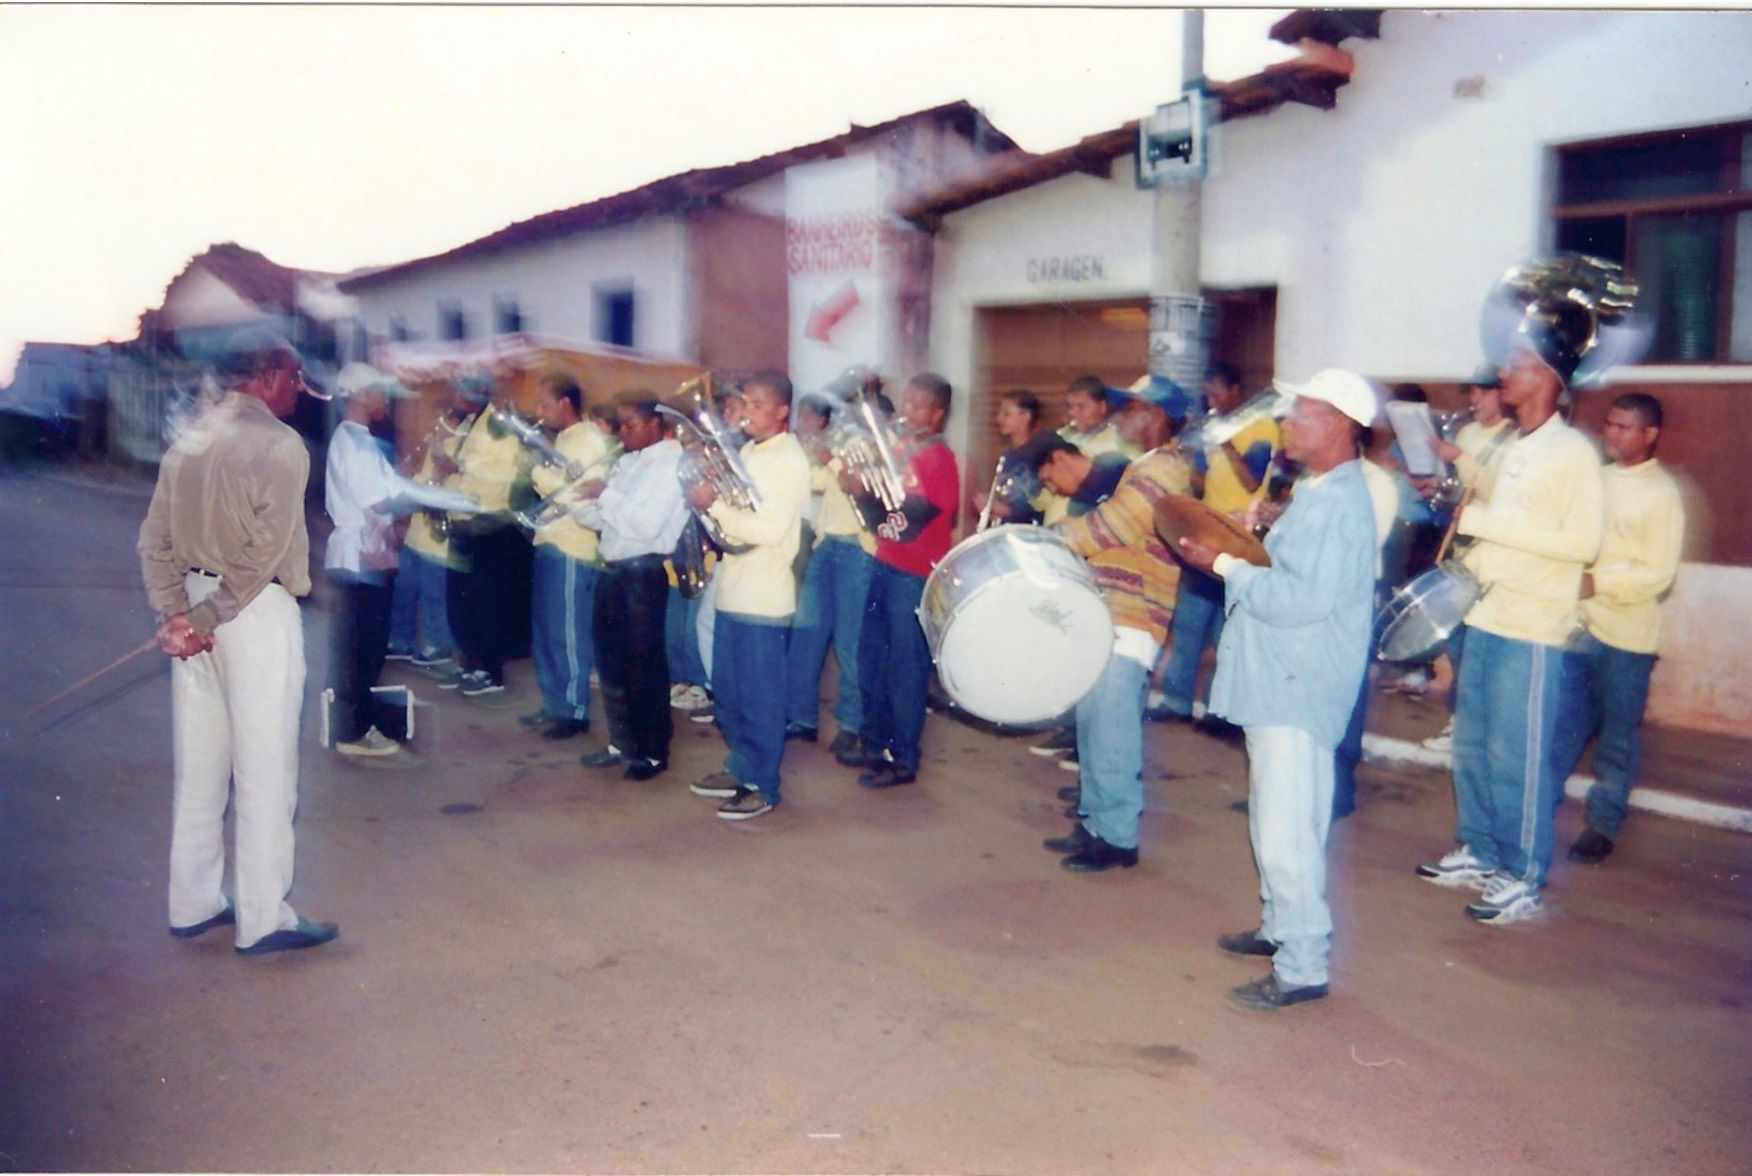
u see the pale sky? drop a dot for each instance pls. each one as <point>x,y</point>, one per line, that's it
<point>332,137</point>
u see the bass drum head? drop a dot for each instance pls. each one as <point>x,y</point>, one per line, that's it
<point>1024,638</point>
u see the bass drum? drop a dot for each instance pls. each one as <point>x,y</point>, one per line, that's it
<point>1016,625</point>
<point>1426,610</point>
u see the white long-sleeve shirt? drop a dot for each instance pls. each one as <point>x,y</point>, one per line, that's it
<point>363,494</point>
<point>640,511</point>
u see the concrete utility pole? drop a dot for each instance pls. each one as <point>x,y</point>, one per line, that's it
<point>1178,338</point>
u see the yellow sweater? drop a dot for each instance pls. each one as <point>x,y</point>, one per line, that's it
<point>1537,532</point>
<point>490,465</point>
<point>838,519</point>
<point>583,444</point>
<point>1639,556</point>
<point>760,582</point>
<point>1137,573</point>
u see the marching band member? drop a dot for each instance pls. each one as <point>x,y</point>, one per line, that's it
<point>639,516</point>
<point>1014,487</point>
<point>1289,666</point>
<point>1229,477</point>
<point>417,607</point>
<point>563,586</point>
<point>830,609</point>
<point>1621,594</point>
<point>363,494</point>
<point>894,660</point>
<point>1090,424</point>
<point>1137,575</point>
<point>756,599</point>
<point>489,550</point>
<point>1535,537</point>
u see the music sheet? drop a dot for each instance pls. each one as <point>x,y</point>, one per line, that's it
<point>1416,431</point>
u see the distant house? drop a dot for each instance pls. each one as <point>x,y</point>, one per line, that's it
<point>217,293</point>
<point>790,261</point>
<point>63,389</point>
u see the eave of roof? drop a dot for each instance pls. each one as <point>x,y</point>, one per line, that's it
<point>1311,79</point>
<point>698,188</point>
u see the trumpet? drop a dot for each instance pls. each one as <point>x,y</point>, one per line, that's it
<point>581,485</point>
<point>501,421</point>
<point>711,457</point>
<point>863,437</point>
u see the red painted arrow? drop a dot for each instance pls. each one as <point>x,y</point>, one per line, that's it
<point>831,312</point>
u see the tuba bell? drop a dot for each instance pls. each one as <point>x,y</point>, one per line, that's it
<point>1577,313</point>
<point>863,437</point>
<point>710,456</point>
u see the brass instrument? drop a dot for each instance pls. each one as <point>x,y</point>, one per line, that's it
<point>863,437</point>
<point>711,457</point>
<point>1578,313</point>
<point>1449,490</point>
<point>434,442</point>
<point>1270,404</point>
<point>583,482</point>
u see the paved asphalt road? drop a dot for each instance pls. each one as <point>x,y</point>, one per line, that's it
<point>540,970</point>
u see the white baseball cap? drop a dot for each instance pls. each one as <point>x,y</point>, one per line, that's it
<point>1346,391</point>
<point>359,377</point>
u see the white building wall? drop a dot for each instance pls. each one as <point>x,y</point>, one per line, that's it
<point>1385,221</point>
<point>1073,239</point>
<point>554,283</point>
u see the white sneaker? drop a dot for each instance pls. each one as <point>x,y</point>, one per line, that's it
<point>1505,900</point>
<point>1459,867</point>
<point>692,698</point>
<point>373,742</point>
<point>1443,740</point>
<point>676,690</point>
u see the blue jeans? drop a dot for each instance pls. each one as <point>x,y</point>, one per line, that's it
<point>562,607</point>
<point>1608,696</point>
<point>1198,624</point>
<point>681,640</point>
<point>830,609</point>
<point>1289,812</point>
<point>894,666</point>
<point>1110,752</point>
<point>418,608</point>
<point>749,658</point>
<point>1506,782</point>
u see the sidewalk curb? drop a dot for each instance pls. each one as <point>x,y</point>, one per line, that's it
<point>1383,749</point>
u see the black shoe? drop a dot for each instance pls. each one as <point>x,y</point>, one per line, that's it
<point>1071,794</point>
<point>306,934</point>
<point>1076,841</point>
<point>1247,943</point>
<point>646,769</point>
<point>566,728</point>
<point>853,755</point>
<point>799,732</point>
<point>1265,995</point>
<point>887,775</point>
<point>1099,855</point>
<point>538,718</point>
<point>607,756</point>
<point>844,741</point>
<point>225,918</point>
<point>1591,847</point>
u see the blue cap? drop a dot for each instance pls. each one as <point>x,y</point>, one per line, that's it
<point>1162,392</point>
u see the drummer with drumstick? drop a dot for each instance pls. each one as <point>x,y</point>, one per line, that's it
<point>1289,665</point>
<point>1138,576</point>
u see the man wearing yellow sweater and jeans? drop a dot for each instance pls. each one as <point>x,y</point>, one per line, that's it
<point>757,597</point>
<point>1535,535</point>
<point>1621,593</point>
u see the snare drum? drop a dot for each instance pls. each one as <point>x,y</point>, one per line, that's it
<point>1016,625</point>
<point>1426,610</point>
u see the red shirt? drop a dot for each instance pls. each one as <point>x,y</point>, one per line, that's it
<point>931,475</point>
